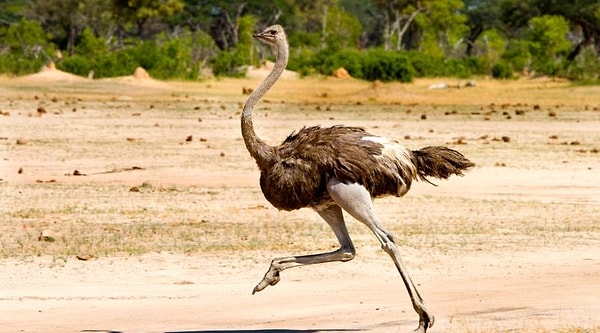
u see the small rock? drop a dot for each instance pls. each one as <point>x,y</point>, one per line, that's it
<point>44,237</point>
<point>84,257</point>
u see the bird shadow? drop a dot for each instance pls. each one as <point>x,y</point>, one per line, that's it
<point>268,330</point>
<point>271,330</point>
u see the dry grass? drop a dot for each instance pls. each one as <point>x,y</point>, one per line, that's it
<point>113,168</point>
<point>102,126</point>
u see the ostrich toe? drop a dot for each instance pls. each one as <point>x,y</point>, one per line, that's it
<point>270,279</point>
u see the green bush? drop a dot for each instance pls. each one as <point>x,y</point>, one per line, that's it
<point>548,43</point>
<point>24,49</point>
<point>229,63</point>
<point>387,66</point>
<point>502,71</point>
<point>302,61</point>
<point>374,64</point>
<point>163,58</point>
<point>19,65</point>
<point>426,65</point>
<point>585,68</point>
<point>76,64</point>
<point>326,62</point>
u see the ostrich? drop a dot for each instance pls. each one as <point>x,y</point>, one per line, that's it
<point>335,169</point>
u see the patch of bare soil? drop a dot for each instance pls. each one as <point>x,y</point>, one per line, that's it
<point>139,210</point>
<point>51,74</point>
<point>265,68</point>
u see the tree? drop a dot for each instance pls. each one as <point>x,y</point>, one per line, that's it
<point>25,48</point>
<point>64,19</point>
<point>371,19</point>
<point>341,30</point>
<point>140,12</point>
<point>584,15</point>
<point>398,16</point>
<point>27,38</point>
<point>220,18</point>
<point>481,15</point>
<point>12,11</point>
<point>443,26</point>
<point>548,43</point>
<point>514,16</point>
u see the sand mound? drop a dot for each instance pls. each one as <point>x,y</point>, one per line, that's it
<point>49,73</point>
<point>264,70</point>
<point>139,77</point>
<point>341,73</point>
<point>141,74</point>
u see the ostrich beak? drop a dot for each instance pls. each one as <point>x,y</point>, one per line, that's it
<point>265,37</point>
<point>260,36</point>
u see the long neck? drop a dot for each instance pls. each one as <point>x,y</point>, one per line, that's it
<point>258,149</point>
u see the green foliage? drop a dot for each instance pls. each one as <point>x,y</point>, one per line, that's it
<point>163,58</point>
<point>229,63</point>
<point>18,65</point>
<point>548,43</point>
<point>378,64</point>
<point>25,48</point>
<point>90,44</point>
<point>491,43</point>
<point>342,30</point>
<point>443,26</point>
<point>502,71</point>
<point>387,66</point>
<point>233,62</point>
<point>176,38</point>
<point>586,67</point>
<point>373,64</point>
<point>517,54</point>
<point>26,38</point>
<point>432,66</point>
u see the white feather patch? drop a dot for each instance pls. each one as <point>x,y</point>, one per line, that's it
<point>395,154</point>
<point>392,149</point>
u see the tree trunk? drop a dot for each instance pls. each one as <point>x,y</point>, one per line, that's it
<point>473,35</point>
<point>324,28</point>
<point>141,27</point>
<point>402,30</point>
<point>387,32</point>
<point>71,39</point>
<point>588,36</point>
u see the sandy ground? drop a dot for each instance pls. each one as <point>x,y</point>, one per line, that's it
<point>513,246</point>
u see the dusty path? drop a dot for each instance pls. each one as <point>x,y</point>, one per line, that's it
<point>175,293</point>
<point>513,246</point>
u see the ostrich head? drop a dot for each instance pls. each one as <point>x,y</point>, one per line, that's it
<point>273,35</point>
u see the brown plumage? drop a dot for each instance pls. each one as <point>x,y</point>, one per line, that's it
<point>298,170</point>
<point>337,168</point>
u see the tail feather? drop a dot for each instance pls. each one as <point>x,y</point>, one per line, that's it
<point>440,162</point>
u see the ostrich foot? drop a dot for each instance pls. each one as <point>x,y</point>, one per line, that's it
<point>426,321</point>
<point>270,279</point>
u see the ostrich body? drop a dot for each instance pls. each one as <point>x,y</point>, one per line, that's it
<point>332,169</point>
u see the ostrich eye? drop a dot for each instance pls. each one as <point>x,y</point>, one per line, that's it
<point>272,32</point>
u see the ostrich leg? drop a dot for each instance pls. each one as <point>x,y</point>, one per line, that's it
<point>334,217</point>
<point>356,200</point>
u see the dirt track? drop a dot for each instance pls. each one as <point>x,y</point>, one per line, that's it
<point>512,246</point>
